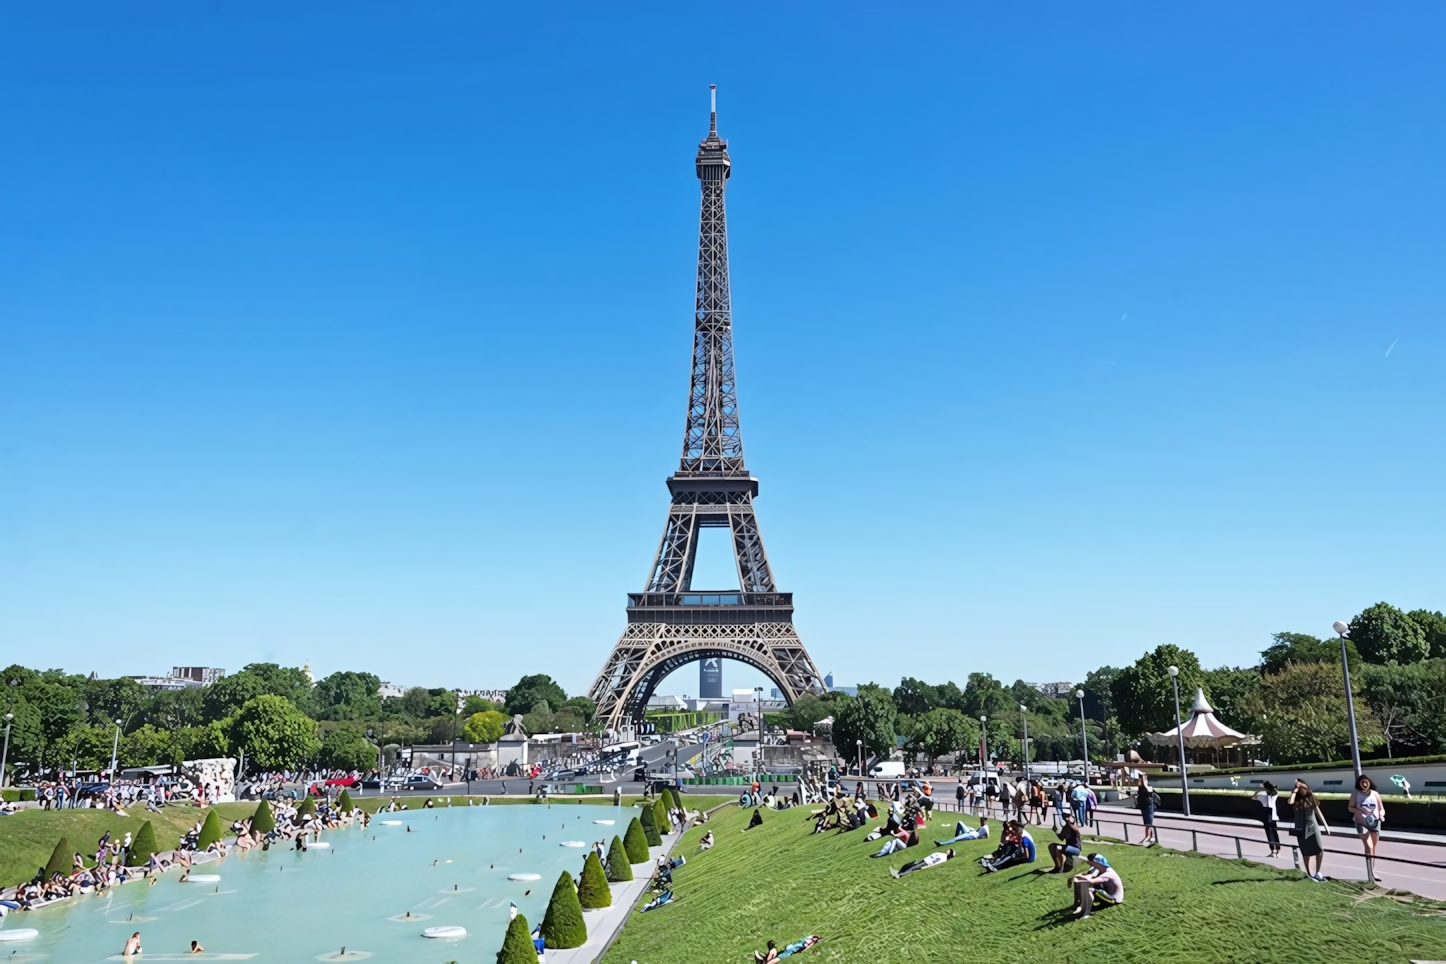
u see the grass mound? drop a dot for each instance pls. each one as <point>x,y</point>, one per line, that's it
<point>779,882</point>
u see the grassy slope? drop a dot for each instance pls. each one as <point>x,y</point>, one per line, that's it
<point>28,837</point>
<point>778,882</point>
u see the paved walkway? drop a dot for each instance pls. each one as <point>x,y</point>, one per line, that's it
<point>604,923</point>
<point>1344,858</point>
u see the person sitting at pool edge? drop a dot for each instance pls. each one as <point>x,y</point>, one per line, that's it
<point>196,948</point>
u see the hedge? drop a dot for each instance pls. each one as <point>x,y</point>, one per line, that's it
<point>562,925</point>
<point>660,816</point>
<point>593,891</point>
<point>649,820</point>
<point>635,842</point>
<point>619,868</point>
<point>344,803</point>
<point>263,820</point>
<point>517,946</point>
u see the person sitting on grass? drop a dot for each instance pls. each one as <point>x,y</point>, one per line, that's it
<point>768,955</point>
<point>707,842</point>
<point>962,832</point>
<point>1100,884</point>
<point>1017,847</point>
<point>755,821</point>
<point>891,826</point>
<point>933,860</point>
<point>1069,845</point>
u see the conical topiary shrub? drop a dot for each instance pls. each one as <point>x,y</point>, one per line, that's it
<point>210,831</point>
<point>660,816</point>
<point>61,859</point>
<point>635,843</point>
<point>593,891</point>
<point>619,868</point>
<point>263,820</point>
<point>344,803</point>
<point>308,806</point>
<point>649,819</point>
<point>671,796</point>
<point>517,946</point>
<point>562,925</point>
<point>143,846</point>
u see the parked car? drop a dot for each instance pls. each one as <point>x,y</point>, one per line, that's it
<point>371,783</point>
<point>420,781</point>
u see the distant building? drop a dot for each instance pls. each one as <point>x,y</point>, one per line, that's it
<point>390,689</point>
<point>1056,691</point>
<point>204,675</point>
<point>710,679</point>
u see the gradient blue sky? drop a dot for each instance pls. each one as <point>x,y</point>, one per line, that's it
<point>359,334</point>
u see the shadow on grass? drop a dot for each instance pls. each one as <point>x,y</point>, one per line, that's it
<point>1056,918</point>
<point>1242,880</point>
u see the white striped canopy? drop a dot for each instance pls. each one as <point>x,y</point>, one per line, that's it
<point>1202,729</point>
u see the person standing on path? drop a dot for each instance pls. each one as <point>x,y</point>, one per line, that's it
<point>1266,798</point>
<point>959,797</point>
<point>1146,801</point>
<point>1309,825</point>
<point>1368,813</point>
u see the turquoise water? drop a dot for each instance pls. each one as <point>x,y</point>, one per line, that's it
<point>451,869</point>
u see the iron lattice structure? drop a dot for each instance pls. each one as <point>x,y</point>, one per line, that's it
<point>670,624</point>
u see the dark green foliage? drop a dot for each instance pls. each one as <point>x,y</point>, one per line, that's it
<point>1383,633</point>
<point>517,947</point>
<point>263,821</point>
<point>635,842</point>
<point>527,692</point>
<point>649,820</point>
<point>1142,693</point>
<point>61,858</point>
<point>1433,625</point>
<point>210,831</point>
<point>1304,648</point>
<point>562,925</point>
<point>660,816</point>
<point>143,845</point>
<point>870,717</point>
<point>593,892</point>
<point>308,806</point>
<point>619,868</point>
<point>344,802</point>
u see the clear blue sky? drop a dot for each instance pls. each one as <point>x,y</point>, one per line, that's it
<point>359,335</point>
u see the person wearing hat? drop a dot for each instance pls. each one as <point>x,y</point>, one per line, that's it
<point>1100,884</point>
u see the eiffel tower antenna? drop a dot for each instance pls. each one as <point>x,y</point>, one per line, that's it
<point>670,623</point>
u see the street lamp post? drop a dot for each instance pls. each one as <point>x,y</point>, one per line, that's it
<point>859,746</point>
<point>456,712</point>
<point>5,756</point>
<point>1180,734</point>
<point>758,753</point>
<point>1342,630</point>
<point>115,751</point>
<point>1083,735</point>
<point>983,743</point>
<point>1025,718</point>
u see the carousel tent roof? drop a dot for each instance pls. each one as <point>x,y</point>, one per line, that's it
<point>1202,729</point>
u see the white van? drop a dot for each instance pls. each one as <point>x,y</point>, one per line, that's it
<point>888,770</point>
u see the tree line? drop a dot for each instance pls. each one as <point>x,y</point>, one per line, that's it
<point>273,714</point>
<point>1293,698</point>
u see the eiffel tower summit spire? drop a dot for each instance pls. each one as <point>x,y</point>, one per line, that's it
<point>670,623</point>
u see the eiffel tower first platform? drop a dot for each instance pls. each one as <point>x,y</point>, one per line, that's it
<point>671,624</point>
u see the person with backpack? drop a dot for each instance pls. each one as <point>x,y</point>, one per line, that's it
<point>1368,813</point>
<point>1146,800</point>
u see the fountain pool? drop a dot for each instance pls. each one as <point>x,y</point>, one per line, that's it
<point>372,892</point>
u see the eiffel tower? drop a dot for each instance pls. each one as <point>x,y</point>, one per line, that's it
<point>671,624</point>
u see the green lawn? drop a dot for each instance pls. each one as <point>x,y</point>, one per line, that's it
<point>777,881</point>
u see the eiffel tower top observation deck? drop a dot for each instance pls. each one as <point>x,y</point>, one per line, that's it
<point>670,623</point>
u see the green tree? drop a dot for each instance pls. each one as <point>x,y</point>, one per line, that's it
<point>531,690</point>
<point>473,705</point>
<point>1433,627</point>
<point>348,696</point>
<point>483,727</point>
<point>517,946</point>
<point>1304,648</point>
<point>915,697</point>
<point>274,734</point>
<point>539,718</point>
<point>1230,691</point>
<point>1142,694</point>
<point>649,820</point>
<point>1383,633</point>
<point>263,820</point>
<point>61,859</point>
<point>984,696</point>
<point>635,842</point>
<point>943,731</point>
<point>618,864</point>
<point>173,709</point>
<point>870,717</point>
<point>345,747</point>
<point>287,681</point>
<point>108,700</point>
<point>210,831</point>
<point>593,892</point>
<point>1302,714</point>
<point>660,816</point>
<point>143,846</point>
<point>146,746</point>
<point>562,925</point>
<point>582,706</point>
<point>415,703</point>
<point>225,697</point>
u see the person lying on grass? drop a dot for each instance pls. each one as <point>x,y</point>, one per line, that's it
<point>772,953</point>
<point>1017,847</point>
<point>1101,885</point>
<point>962,832</point>
<point>900,840</point>
<point>933,860</point>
